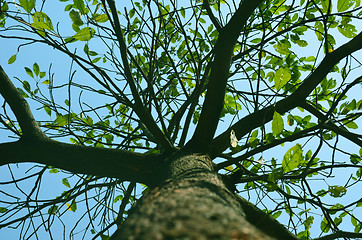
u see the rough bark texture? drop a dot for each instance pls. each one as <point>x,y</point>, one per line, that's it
<point>193,203</point>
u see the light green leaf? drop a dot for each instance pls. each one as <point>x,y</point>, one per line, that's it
<point>292,158</point>
<point>326,5</point>
<point>319,30</point>
<point>352,125</point>
<point>12,59</point>
<point>343,5</point>
<point>277,123</point>
<point>42,21</point>
<point>63,120</point>
<point>47,110</point>
<point>36,69</point>
<point>100,18</point>
<point>281,77</point>
<point>88,121</point>
<point>85,34</point>
<point>66,182</point>
<point>348,30</point>
<point>28,5</point>
<point>96,59</point>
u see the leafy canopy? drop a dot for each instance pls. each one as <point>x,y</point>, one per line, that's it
<point>137,79</point>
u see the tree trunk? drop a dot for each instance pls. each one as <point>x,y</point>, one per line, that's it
<point>193,203</point>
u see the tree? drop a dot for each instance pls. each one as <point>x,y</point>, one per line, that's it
<point>228,115</point>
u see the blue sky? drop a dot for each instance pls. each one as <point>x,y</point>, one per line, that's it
<point>60,66</point>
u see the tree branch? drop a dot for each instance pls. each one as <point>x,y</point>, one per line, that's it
<point>258,118</point>
<point>78,159</point>
<point>105,162</point>
<point>264,221</point>
<point>214,100</point>
<point>144,115</point>
<point>20,107</point>
<point>340,234</point>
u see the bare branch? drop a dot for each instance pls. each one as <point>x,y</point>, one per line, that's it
<point>139,107</point>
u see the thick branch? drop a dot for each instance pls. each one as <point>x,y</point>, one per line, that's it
<point>35,147</point>
<point>340,234</point>
<point>214,100</point>
<point>80,159</point>
<point>19,106</point>
<point>258,118</point>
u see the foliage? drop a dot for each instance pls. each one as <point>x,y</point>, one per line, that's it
<point>139,76</point>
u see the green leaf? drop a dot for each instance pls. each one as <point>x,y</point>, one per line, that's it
<point>100,18</point>
<point>47,82</point>
<point>53,210</point>
<point>292,158</point>
<point>29,72</point>
<point>88,121</point>
<point>47,110</point>
<point>42,21</point>
<point>63,120</point>
<point>85,34</point>
<point>66,182</point>
<point>12,59</point>
<point>28,5</point>
<point>319,30</point>
<point>352,125</point>
<point>76,18</point>
<point>54,170</point>
<point>337,191</point>
<point>355,159</point>
<point>281,77</point>
<point>79,4</point>
<point>326,5</point>
<point>182,12</point>
<point>118,198</point>
<point>22,93</point>
<point>105,237</point>
<point>3,210</point>
<point>277,123</point>
<point>96,59</point>
<point>72,206</point>
<point>26,86</point>
<point>348,30</point>
<point>42,74</point>
<point>36,69</point>
<point>343,5</point>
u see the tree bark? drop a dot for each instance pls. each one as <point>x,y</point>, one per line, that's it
<point>193,203</point>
